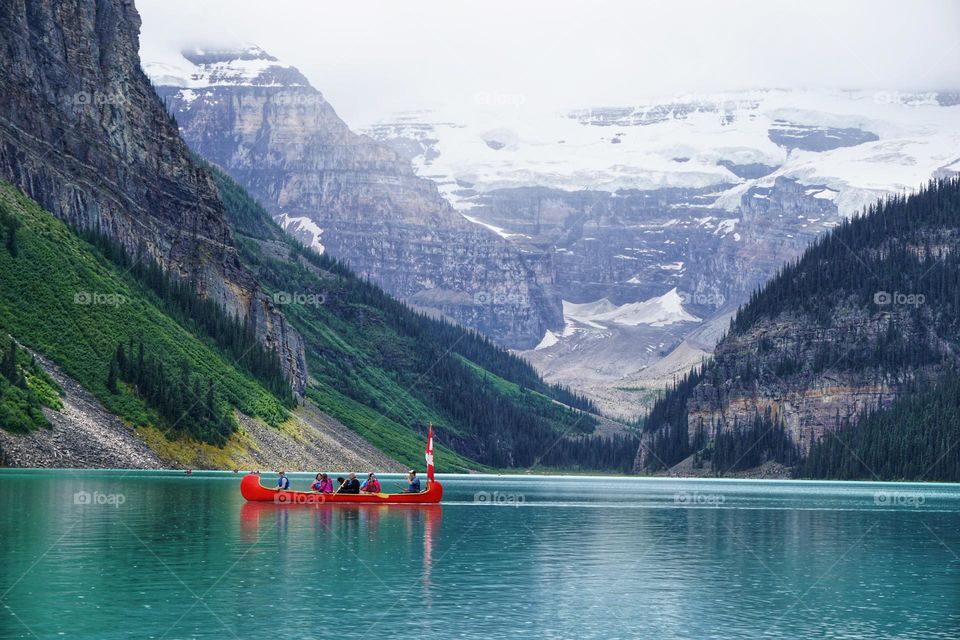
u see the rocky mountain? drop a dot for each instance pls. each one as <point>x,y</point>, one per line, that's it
<point>861,325</point>
<point>141,290</point>
<point>83,133</point>
<point>350,196</point>
<point>705,195</point>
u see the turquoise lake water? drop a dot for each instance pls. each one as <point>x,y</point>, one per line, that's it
<point>164,555</point>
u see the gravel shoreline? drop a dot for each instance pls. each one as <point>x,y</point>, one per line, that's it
<point>84,435</point>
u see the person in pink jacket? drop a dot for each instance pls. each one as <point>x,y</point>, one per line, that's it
<point>322,484</point>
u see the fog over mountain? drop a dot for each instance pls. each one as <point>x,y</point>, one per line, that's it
<point>371,58</point>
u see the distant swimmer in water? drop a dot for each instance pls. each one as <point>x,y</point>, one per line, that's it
<point>283,482</point>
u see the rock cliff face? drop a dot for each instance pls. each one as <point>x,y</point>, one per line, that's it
<point>810,402</point>
<point>635,246</point>
<point>351,196</point>
<point>83,133</point>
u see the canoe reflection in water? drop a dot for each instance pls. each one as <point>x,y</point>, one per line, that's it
<point>360,530</point>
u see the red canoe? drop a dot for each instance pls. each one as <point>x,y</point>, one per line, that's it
<point>253,491</point>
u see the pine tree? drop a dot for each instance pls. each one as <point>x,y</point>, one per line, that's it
<point>8,367</point>
<point>12,225</point>
<point>112,375</point>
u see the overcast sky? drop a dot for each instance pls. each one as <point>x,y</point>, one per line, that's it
<point>373,57</point>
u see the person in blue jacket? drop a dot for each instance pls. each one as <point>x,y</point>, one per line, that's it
<point>413,481</point>
<point>283,482</point>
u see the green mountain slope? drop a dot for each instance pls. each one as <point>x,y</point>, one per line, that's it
<point>387,371</point>
<point>25,389</point>
<point>830,364</point>
<point>60,296</point>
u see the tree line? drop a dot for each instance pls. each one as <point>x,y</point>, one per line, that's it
<point>9,225</point>
<point>586,452</point>
<point>21,406</point>
<point>186,401</point>
<point>917,438</point>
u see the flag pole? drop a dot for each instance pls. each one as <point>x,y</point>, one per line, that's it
<point>429,454</point>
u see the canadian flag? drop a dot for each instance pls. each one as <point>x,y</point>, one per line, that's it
<point>429,454</point>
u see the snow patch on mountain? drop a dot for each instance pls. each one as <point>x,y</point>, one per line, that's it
<point>655,312</point>
<point>550,338</point>
<point>303,229</point>
<point>497,230</point>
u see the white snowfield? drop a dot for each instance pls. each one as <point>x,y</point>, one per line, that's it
<point>678,142</point>
<point>658,311</point>
<point>895,143</point>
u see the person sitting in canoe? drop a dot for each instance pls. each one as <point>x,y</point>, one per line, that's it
<point>371,484</point>
<point>326,484</point>
<point>413,483</point>
<point>352,485</point>
<point>322,484</point>
<point>283,482</point>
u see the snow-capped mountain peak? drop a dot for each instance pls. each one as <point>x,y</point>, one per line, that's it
<point>243,66</point>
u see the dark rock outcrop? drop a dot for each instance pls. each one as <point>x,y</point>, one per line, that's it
<point>817,138</point>
<point>83,133</point>
<point>633,245</point>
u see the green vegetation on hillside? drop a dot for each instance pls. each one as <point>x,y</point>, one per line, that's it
<point>234,337</point>
<point>747,446</point>
<point>381,368</point>
<point>899,245</point>
<point>387,371</point>
<point>394,439</point>
<point>25,389</point>
<point>668,423</point>
<point>176,395</point>
<point>63,298</point>
<point>917,438</point>
<point>880,297</point>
